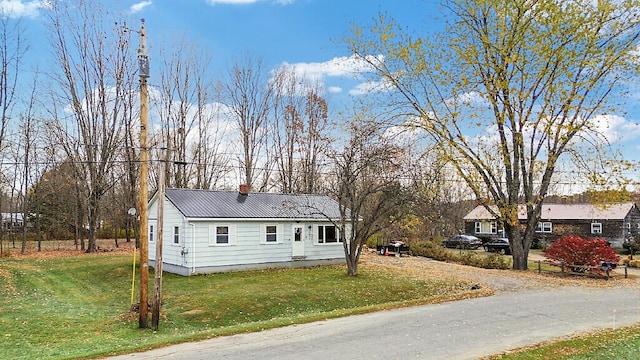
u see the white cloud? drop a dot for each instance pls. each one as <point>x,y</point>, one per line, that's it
<point>17,8</point>
<point>350,67</point>
<point>232,2</point>
<point>340,66</point>
<point>616,128</point>
<point>371,86</point>
<point>136,8</point>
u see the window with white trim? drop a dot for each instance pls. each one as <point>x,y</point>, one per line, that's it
<point>271,233</point>
<point>544,227</point>
<point>486,227</point>
<point>176,234</point>
<point>327,234</point>
<point>222,234</point>
<point>596,228</point>
<point>150,233</point>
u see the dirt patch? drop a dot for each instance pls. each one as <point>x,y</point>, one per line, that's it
<point>498,280</point>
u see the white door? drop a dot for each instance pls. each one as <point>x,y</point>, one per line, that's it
<point>298,241</point>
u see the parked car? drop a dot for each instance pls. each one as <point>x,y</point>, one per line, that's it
<point>462,241</point>
<point>499,245</point>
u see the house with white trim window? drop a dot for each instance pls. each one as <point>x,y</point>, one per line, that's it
<point>209,231</point>
<point>612,222</point>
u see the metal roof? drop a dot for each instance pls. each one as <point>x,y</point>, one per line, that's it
<point>564,212</point>
<point>230,204</point>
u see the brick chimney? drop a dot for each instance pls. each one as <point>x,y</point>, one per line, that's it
<point>244,189</point>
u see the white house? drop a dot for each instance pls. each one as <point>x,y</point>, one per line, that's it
<point>216,231</point>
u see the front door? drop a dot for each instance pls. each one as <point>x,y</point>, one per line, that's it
<point>298,241</point>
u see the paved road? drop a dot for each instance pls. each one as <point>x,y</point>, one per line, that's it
<point>465,329</point>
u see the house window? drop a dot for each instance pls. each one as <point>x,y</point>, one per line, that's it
<point>486,227</point>
<point>222,234</point>
<point>596,228</point>
<point>544,227</point>
<point>176,235</point>
<point>150,233</point>
<point>327,234</point>
<point>271,233</point>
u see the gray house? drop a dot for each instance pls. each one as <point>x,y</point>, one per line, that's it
<point>217,231</point>
<point>613,222</point>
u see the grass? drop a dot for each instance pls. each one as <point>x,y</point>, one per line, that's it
<point>79,306</point>
<point>619,344</point>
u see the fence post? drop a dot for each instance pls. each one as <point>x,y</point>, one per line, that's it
<point>539,267</point>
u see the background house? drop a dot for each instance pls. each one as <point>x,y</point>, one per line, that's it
<point>215,231</point>
<point>12,221</point>
<point>613,223</point>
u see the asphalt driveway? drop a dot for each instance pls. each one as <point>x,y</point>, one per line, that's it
<point>465,329</point>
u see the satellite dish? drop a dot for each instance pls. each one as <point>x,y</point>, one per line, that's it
<point>131,211</point>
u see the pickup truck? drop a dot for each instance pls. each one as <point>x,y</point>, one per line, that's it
<point>395,247</point>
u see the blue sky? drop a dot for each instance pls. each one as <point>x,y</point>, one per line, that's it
<point>304,33</point>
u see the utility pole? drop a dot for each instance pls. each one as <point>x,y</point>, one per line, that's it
<point>143,63</point>
<point>157,284</point>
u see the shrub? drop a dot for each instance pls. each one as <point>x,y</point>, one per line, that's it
<point>434,250</point>
<point>496,261</point>
<point>576,252</point>
<point>431,249</point>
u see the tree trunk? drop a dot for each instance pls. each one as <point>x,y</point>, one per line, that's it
<point>518,248</point>
<point>93,223</point>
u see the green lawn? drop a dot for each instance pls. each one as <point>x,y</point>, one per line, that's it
<point>619,344</point>
<point>78,307</point>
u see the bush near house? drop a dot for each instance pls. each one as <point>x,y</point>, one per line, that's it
<point>434,250</point>
<point>578,253</point>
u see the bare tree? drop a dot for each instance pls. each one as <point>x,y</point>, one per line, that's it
<point>287,128</point>
<point>29,141</point>
<point>366,184</point>
<point>95,78</point>
<point>250,96</point>
<point>207,153</point>
<point>12,51</point>
<point>182,79</point>
<point>533,73</point>
<point>315,141</point>
<point>300,132</point>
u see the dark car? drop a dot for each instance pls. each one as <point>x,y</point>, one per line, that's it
<point>462,241</point>
<point>499,245</point>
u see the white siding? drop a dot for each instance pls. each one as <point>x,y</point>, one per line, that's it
<point>171,253</point>
<point>247,243</point>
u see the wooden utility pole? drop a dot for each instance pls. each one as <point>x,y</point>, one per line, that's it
<point>143,63</point>
<point>157,284</point>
